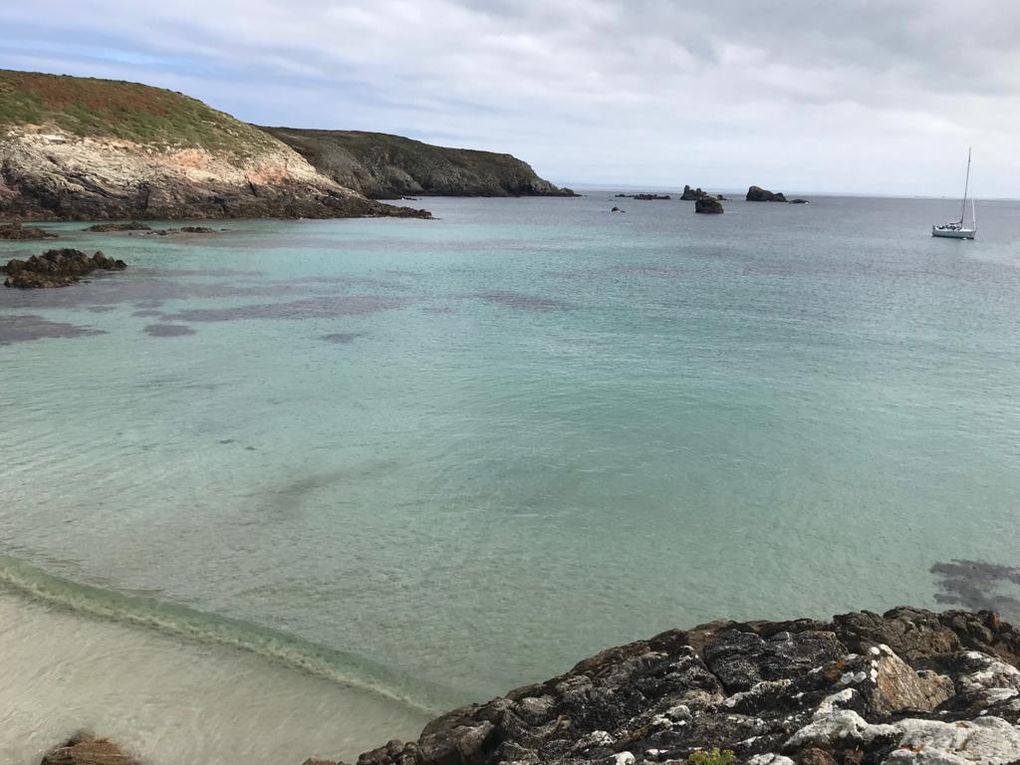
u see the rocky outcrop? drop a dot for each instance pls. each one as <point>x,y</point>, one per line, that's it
<point>709,205</point>
<point>18,232</point>
<point>384,166</point>
<point>758,194</point>
<point>693,195</point>
<point>57,268</point>
<point>105,228</point>
<point>646,197</point>
<point>86,749</point>
<point>909,687</point>
<point>79,149</point>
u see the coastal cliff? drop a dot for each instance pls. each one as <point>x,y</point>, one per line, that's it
<point>385,166</point>
<point>83,149</point>
<point>910,687</point>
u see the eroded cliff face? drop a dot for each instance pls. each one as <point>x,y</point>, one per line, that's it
<point>387,167</point>
<point>80,148</point>
<point>49,173</point>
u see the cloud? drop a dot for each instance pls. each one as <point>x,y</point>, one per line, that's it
<point>855,96</point>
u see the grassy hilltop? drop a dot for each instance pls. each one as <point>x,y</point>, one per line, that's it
<point>88,107</point>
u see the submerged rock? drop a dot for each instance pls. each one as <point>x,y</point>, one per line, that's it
<point>86,749</point>
<point>57,268</point>
<point>708,205</point>
<point>16,231</point>
<point>129,226</point>
<point>758,194</point>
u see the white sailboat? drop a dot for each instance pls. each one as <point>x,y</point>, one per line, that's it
<point>957,229</point>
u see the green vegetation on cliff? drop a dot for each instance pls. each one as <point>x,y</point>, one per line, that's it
<point>129,111</point>
<point>389,166</point>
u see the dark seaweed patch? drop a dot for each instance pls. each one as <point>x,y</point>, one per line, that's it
<point>310,308</point>
<point>978,585</point>
<point>27,327</point>
<point>666,272</point>
<point>525,302</point>
<point>341,338</point>
<point>168,330</point>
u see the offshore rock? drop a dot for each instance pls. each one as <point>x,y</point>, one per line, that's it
<point>57,268</point>
<point>758,194</point>
<point>708,205</point>
<point>775,693</point>
<point>693,195</point>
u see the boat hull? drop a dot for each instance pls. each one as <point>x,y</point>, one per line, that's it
<point>954,233</point>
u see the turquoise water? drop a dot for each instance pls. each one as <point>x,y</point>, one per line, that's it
<point>433,460</point>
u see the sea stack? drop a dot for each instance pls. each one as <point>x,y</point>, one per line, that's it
<point>758,194</point>
<point>708,205</point>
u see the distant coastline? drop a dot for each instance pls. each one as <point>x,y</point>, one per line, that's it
<point>80,148</point>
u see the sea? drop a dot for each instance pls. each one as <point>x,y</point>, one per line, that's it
<point>293,488</point>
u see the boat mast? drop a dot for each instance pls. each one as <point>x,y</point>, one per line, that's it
<point>966,185</point>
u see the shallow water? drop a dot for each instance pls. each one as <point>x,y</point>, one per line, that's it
<point>439,459</point>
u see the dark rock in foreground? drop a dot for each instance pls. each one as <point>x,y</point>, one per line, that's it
<point>799,201</point>
<point>16,231</point>
<point>57,268</point>
<point>85,749</point>
<point>910,687</point>
<point>758,194</point>
<point>708,205</point>
<point>134,225</point>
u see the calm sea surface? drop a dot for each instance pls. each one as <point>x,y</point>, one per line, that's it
<point>293,487</point>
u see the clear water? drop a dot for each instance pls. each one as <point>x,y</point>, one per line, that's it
<point>421,463</point>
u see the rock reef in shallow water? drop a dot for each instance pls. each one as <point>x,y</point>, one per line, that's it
<point>105,228</point>
<point>86,749</point>
<point>57,268</point>
<point>15,231</point>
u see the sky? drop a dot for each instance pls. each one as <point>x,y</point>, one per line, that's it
<point>833,96</point>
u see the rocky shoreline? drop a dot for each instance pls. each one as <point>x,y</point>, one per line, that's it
<point>909,687</point>
<point>56,268</point>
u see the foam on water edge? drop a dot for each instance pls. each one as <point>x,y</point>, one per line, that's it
<point>79,657</point>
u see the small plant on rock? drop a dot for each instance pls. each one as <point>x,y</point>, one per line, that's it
<point>715,756</point>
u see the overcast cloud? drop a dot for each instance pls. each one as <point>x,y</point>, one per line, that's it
<point>861,97</point>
